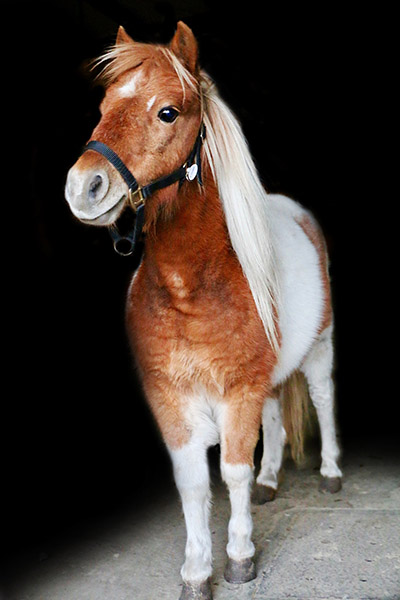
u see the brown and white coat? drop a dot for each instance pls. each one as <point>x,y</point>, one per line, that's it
<point>231,297</point>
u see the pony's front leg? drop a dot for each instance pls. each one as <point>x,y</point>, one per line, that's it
<point>192,480</point>
<point>188,453</point>
<point>240,432</point>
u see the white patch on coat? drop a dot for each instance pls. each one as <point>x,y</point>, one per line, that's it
<point>128,90</point>
<point>151,102</point>
<point>177,285</point>
<point>301,300</point>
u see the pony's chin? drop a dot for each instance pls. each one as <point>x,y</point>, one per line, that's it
<point>105,219</point>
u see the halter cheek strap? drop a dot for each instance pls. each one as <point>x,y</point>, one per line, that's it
<point>137,196</point>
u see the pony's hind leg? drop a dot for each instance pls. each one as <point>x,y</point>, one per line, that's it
<point>274,441</point>
<point>192,480</point>
<point>317,368</point>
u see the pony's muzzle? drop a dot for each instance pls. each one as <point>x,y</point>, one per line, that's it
<point>87,188</point>
<point>94,195</point>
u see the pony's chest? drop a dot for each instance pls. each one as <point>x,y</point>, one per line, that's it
<point>195,333</point>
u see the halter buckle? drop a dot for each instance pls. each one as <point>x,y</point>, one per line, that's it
<point>136,199</point>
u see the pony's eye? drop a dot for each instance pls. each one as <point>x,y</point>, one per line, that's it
<point>168,114</point>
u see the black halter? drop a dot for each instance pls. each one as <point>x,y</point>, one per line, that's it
<point>137,196</point>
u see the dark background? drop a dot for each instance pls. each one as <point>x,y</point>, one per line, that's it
<point>312,89</point>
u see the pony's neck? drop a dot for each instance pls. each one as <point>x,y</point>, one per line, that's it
<point>236,214</point>
<point>192,236</point>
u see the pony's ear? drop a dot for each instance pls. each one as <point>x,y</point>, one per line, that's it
<point>184,46</point>
<point>123,37</point>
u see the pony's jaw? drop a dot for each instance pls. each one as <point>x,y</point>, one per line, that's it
<point>95,196</point>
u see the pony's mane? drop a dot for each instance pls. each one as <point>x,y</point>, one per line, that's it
<point>245,203</point>
<point>243,197</point>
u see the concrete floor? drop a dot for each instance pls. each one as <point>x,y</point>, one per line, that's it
<point>309,546</point>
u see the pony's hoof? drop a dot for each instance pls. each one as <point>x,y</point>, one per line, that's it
<point>330,485</point>
<point>240,571</point>
<point>262,494</point>
<point>201,591</point>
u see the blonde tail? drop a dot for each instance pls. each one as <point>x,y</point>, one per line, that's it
<point>298,413</point>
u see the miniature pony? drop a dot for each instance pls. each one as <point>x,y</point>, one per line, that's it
<point>231,300</point>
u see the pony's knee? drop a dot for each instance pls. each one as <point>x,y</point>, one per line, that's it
<point>190,468</point>
<point>236,475</point>
<point>237,447</point>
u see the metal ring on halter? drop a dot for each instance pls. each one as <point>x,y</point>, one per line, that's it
<point>129,240</point>
<point>123,244</point>
<point>119,246</point>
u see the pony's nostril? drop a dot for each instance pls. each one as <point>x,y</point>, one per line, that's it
<point>95,187</point>
<point>98,187</point>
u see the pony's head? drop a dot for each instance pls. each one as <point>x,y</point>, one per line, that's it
<point>150,117</point>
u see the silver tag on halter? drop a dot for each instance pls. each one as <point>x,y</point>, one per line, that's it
<point>191,172</point>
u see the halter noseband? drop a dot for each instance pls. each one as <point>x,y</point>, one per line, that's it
<point>137,196</point>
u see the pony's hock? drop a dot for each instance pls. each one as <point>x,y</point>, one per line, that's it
<point>229,313</point>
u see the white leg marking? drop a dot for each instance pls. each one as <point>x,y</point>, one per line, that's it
<point>192,480</point>
<point>317,368</point>
<point>274,441</point>
<point>239,479</point>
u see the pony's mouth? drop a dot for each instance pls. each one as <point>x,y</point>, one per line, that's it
<point>106,218</point>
